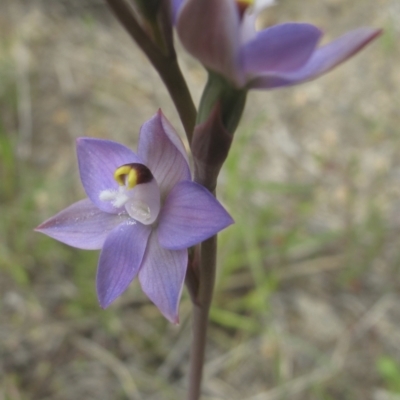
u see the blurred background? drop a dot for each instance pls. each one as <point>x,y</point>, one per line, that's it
<point>307,304</point>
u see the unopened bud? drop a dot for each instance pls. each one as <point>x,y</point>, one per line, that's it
<point>231,101</point>
<point>210,147</point>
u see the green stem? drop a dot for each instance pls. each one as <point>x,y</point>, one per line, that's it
<point>231,100</point>
<point>166,65</point>
<point>176,85</point>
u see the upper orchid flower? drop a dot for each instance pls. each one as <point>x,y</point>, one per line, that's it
<point>222,35</point>
<point>143,211</point>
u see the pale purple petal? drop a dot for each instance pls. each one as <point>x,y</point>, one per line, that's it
<point>120,260</point>
<point>98,159</point>
<point>175,6</point>
<point>190,215</point>
<point>248,26</point>
<point>281,48</point>
<point>173,135</point>
<point>323,60</point>
<point>162,276</point>
<point>81,225</point>
<point>144,202</point>
<point>161,154</point>
<point>210,31</point>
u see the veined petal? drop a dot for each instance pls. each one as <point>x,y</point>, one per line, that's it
<point>323,60</point>
<point>120,260</point>
<point>163,152</point>
<point>162,276</point>
<point>210,31</point>
<point>281,48</point>
<point>81,225</point>
<point>190,215</point>
<point>98,159</point>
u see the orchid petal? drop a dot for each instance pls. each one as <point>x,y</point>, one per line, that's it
<point>173,135</point>
<point>281,48</point>
<point>81,225</point>
<point>190,215</point>
<point>248,26</point>
<point>175,7</point>
<point>323,60</point>
<point>162,276</point>
<point>210,31</point>
<point>144,202</point>
<point>260,5</point>
<point>163,152</point>
<point>120,260</point>
<point>98,159</point>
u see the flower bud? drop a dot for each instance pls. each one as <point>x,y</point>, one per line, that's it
<point>210,147</point>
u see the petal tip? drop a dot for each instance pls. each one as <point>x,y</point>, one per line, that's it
<point>81,140</point>
<point>376,32</point>
<point>42,228</point>
<point>227,220</point>
<point>173,318</point>
<point>105,301</point>
<point>368,33</point>
<point>231,220</point>
<point>105,296</point>
<point>104,306</point>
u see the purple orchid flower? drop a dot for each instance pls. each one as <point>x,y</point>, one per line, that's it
<point>222,35</point>
<point>143,211</point>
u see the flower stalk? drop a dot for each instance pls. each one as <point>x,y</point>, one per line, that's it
<point>231,100</point>
<point>210,147</point>
<point>201,309</point>
<point>165,63</point>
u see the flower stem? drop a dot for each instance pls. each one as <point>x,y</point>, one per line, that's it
<point>176,85</point>
<point>166,65</point>
<point>201,310</point>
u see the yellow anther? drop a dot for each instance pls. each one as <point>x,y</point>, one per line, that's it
<point>243,5</point>
<point>130,175</point>
<point>132,178</point>
<point>126,175</point>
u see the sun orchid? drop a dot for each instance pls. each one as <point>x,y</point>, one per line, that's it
<point>222,35</point>
<point>143,211</point>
